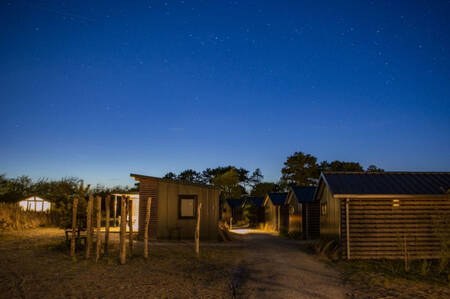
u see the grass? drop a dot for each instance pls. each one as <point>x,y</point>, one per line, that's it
<point>33,260</point>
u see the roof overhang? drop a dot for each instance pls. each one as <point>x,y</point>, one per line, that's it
<point>388,196</point>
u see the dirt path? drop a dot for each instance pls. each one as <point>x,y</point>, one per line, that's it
<point>277,268</point>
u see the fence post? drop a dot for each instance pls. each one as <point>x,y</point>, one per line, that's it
<point>147,223</point>
<point>123,228</point>
<point>130,224</point>
<point>115,211</point>
<point>197,230</point>
<point>107,209</point>
<point>99,223</point>
<point>89,226</point>
<point>74,226</point>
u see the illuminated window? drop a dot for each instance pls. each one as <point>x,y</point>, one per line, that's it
<point>323,209</point>
<point>187,206</point>
<point>396,203</point>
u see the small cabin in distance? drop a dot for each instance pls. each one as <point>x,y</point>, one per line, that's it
<point>276,211</point>
<point>232,210</point>
<point>35,204</point>
<point>304,212</point>
<point>255,211</point>
<point>174,208</point>
<point>371,214</point>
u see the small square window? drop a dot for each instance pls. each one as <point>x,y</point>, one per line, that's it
<point>187,206</point>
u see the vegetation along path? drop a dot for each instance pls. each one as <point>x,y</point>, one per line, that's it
<point>276,268</point>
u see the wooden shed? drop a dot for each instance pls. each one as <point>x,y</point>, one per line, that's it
<point>387,215</point>
<point>232,209</point>
<point>304,212</point>
<point>276,211</point>
<point>174,208</point>
<point>254,208</point>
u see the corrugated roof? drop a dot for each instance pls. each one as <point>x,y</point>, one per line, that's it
<point>304,194</point>
<point>405,183</point>
<point>234,202</point>
<point>138,176</point>
<point>257,201</point>
<point>278,199</point>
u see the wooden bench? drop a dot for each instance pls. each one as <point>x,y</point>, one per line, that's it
<point>80,235</point>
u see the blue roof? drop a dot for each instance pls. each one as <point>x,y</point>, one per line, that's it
<point>278,199</point>
<point>234,202</point>
<point>304,194</point>
<point>257,201</point>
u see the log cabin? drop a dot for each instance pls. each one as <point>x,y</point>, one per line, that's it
<point>276,212</point>
<point>304,212</point>
<point>232,210</point>
<point>174,208</point>
<point>385,215</point>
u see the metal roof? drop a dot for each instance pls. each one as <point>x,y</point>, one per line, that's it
<point>278,199</point>
<point>234,202</point>
<point>384,183</point>
<point>140,176</point>
<point>304,194</point>
<point>257,201</point>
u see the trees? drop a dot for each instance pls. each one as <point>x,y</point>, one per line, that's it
<point>299,169</point>
<point>373,168</point>
<point>261,189</point>
<point>302,169</point>
<point>340,166</point>
<point>228,183</point>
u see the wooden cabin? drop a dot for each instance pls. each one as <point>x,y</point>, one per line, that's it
<point>35,204</point>
<point>304,212</point>
<point>254,209</point>
<point>276,211</point>
<point>386,215</point>
<point>232,209</point>
<point>174,208</point>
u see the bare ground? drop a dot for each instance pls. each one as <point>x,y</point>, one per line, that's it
<point>277,268</point>
<point>35,264</point>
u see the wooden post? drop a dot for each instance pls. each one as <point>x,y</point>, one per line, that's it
<point>115,210</point>
<point>147,223</point>
<point>99,224</point>
<point>123,228</point>
<point>89,226</point>
<point>197,230</point>
<point>74,226</point>
<point>130,225</point>
<point>347,226</point>
<point>107,209</point>
<point>231,223</point>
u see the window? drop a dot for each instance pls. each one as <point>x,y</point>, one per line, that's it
<point>323,209</point>
<point>187,206</point>
<point>396,203</point>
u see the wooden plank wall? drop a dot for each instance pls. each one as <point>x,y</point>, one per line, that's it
<point>379,227</point>
<point>148,188</point>
<point>313,225</point>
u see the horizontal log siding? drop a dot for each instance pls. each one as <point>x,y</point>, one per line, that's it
<point>378,228</point>
<point>148,188</point>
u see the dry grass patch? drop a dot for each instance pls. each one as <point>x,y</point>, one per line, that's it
<point>37,264</point>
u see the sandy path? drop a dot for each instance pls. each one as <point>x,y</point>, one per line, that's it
<point>277,268</point>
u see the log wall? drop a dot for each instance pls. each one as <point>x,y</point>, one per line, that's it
<point>380,227</point>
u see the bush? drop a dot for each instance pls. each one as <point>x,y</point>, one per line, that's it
<point>13,217</point>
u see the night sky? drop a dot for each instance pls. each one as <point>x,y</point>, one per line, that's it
<point>99,90</point>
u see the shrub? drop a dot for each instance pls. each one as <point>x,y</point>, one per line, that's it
<point>13,217</point>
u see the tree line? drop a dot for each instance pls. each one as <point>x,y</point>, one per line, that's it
<point>300,169</point>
